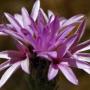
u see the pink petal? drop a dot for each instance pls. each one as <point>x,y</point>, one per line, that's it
<point>12,20</point>
<point>52,54</point>
<point>84,66</point>
<point>4,65</point>
<point>51,14</point>
<point>69,42</point>
<point>45,16</point>
<point>62,21</point>
<point>68,73</point>
<point>25,65</point>
<point>26,17</point>
<point>4,55</point>
<point>52,72</point>
<point>8,73</point>
<point>79,64</point>
<point>73,20</point>
<point>83,57</point>
<point>48,55</point>
<point>82,47</point>
<point>77,17</point>
<point>3,34</point>
<point>44,56</point>
<point>35,10</point>
<point>19,19</point>
<point>66,46</point>
<point>66,31</point>
<point>15,35</point>
<point>81,29</point>
<point>87,70</point>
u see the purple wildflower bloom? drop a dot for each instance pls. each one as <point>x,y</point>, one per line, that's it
<point>51,37</point>
<point>14,60</point>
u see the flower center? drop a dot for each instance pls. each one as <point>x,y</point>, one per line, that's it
<point>56,61</point>
<point>38,62</point>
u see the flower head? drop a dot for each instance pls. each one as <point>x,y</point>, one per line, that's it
<point>49,36</point>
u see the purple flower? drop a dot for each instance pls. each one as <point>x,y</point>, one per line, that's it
<point>14,60</point>
<point>49,36</point>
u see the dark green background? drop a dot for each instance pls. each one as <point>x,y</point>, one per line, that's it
<point>66,8</point>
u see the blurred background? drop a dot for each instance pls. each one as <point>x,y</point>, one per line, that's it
<point>66,8</point>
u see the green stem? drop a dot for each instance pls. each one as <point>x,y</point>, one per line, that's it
<point>38,77</point>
